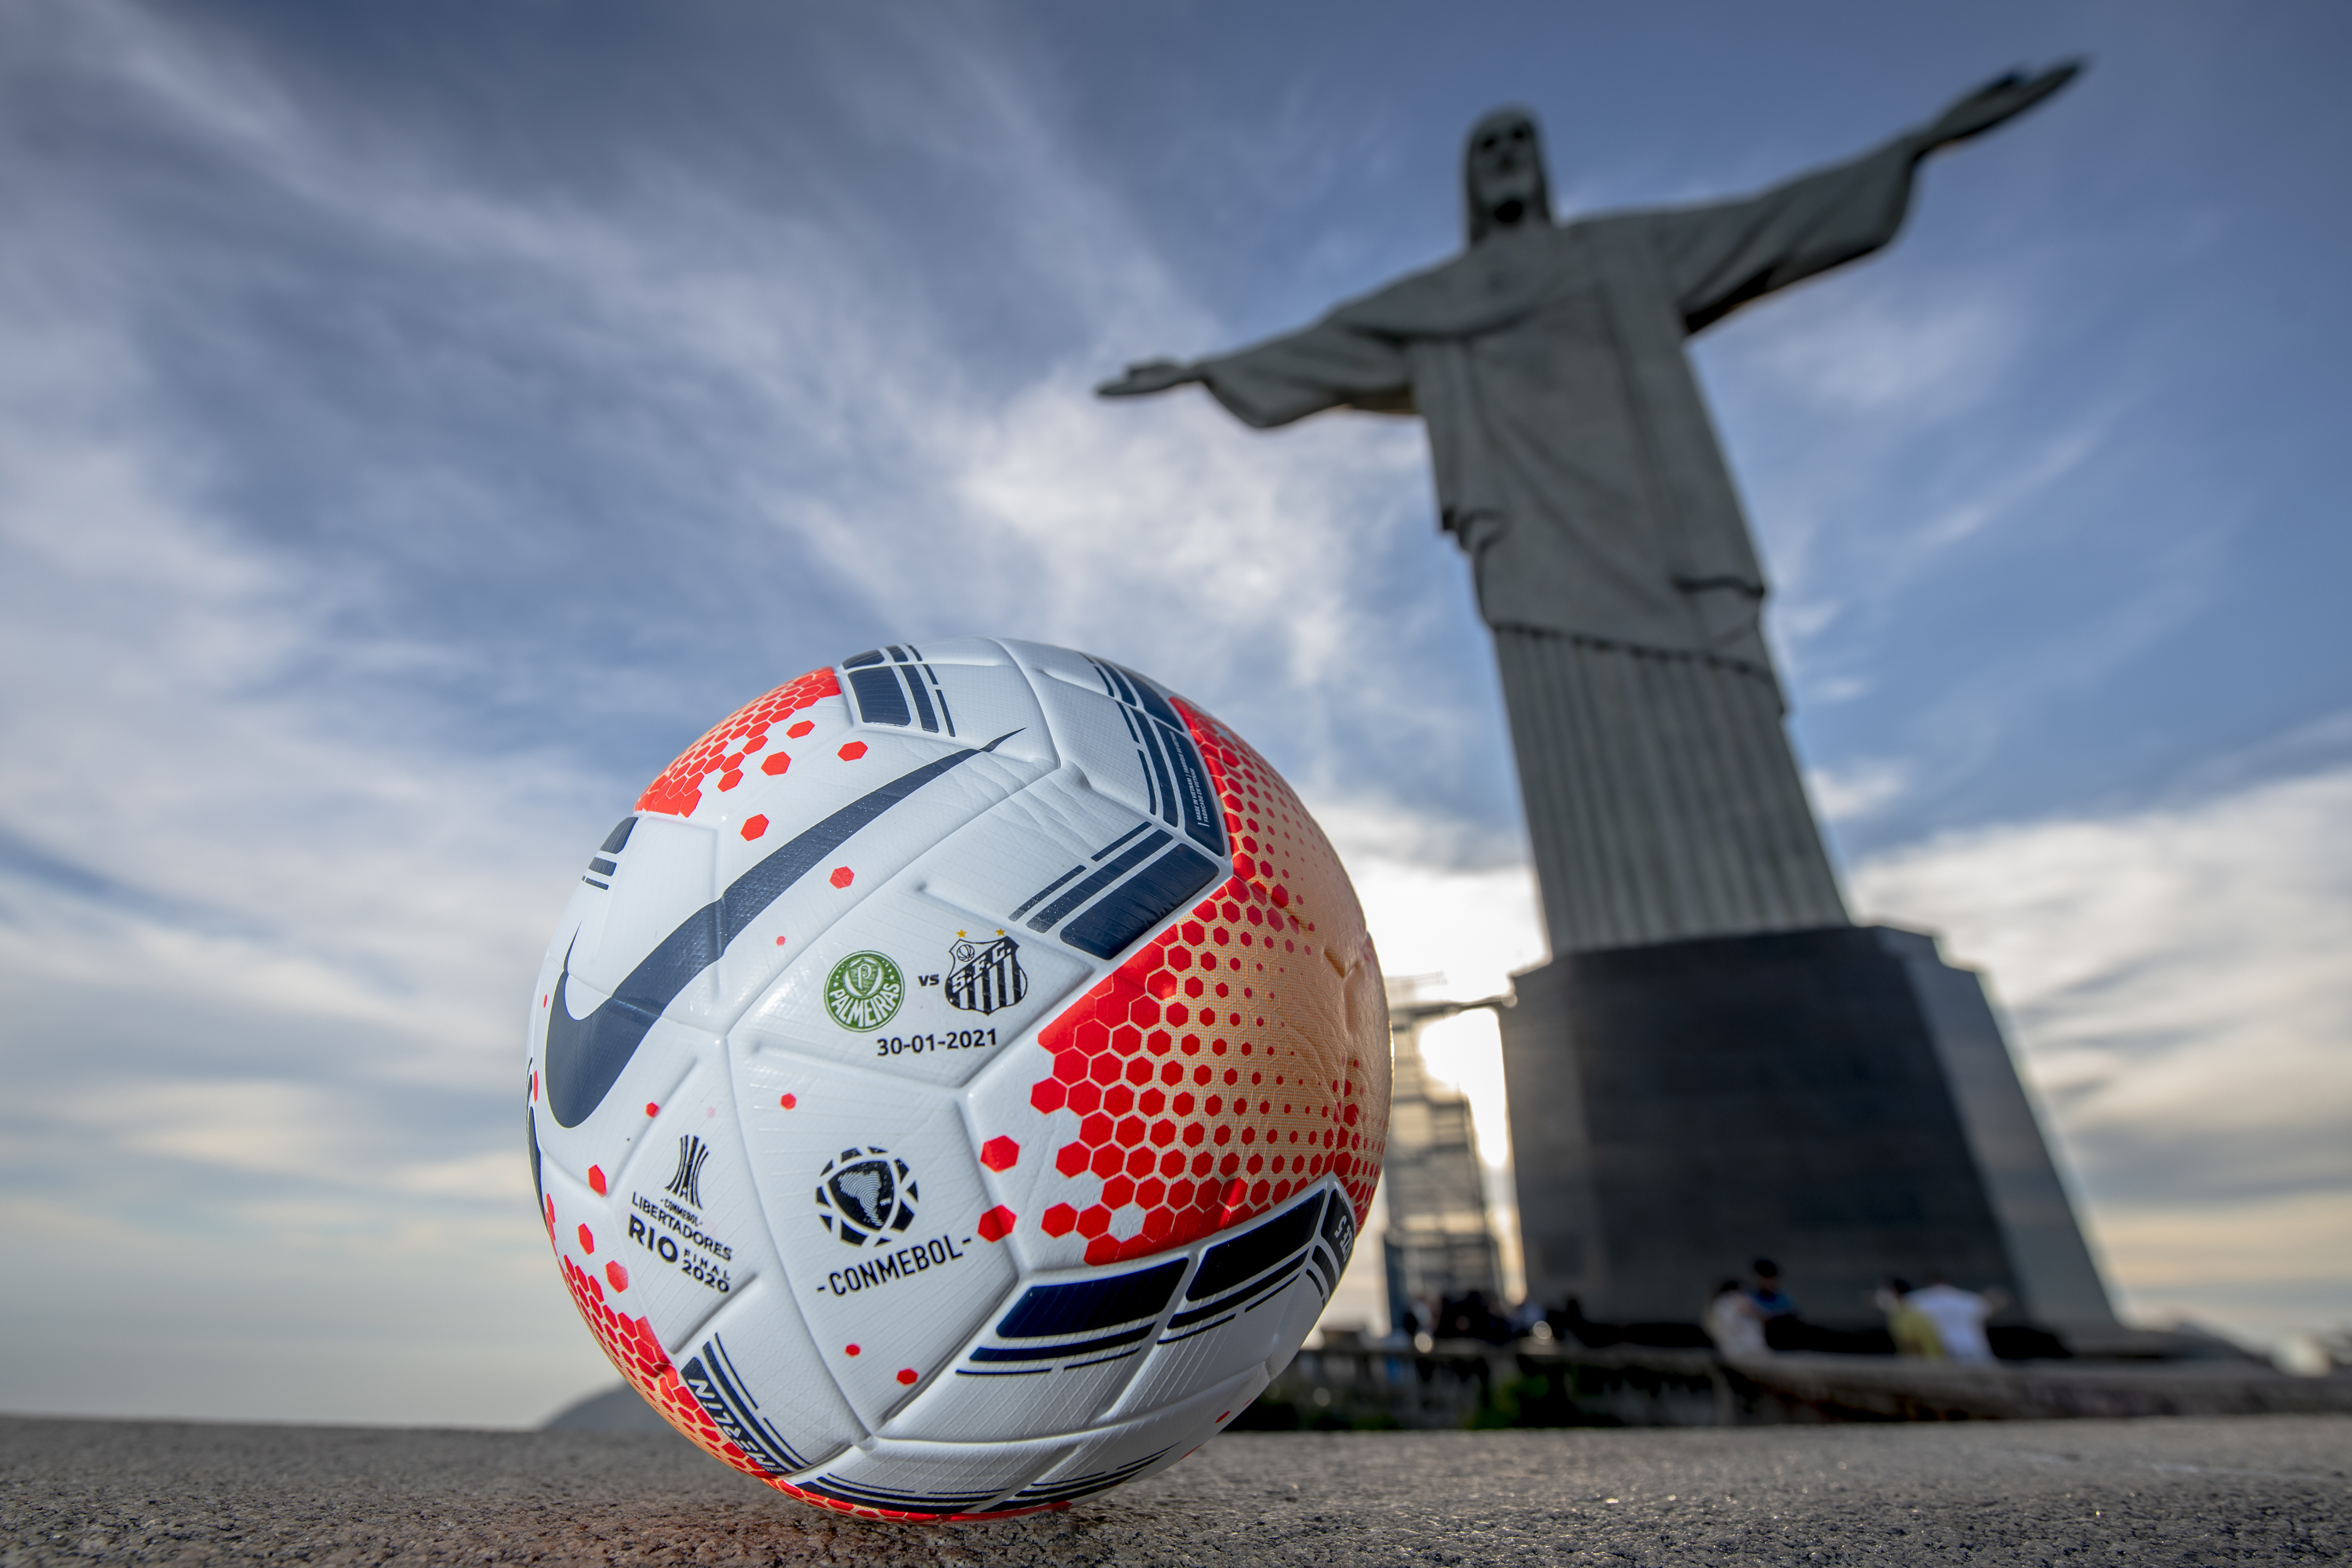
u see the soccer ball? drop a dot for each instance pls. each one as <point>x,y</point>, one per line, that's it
<point>956,1088</point>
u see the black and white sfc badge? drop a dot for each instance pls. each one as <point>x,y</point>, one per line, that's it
<point>983,976</point>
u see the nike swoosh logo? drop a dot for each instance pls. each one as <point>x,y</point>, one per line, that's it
<point>585,1056</point>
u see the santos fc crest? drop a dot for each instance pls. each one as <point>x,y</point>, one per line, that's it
<point>985,975</point>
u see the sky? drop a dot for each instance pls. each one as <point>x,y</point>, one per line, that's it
<point>417,424</point>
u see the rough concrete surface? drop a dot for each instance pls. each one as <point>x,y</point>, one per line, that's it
<point>2188,1490</point>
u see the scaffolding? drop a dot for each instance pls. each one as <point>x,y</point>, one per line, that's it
<point>1439,1242</point>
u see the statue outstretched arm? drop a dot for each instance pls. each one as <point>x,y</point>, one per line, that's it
<point>1327,365</point>
<point>1145,376</point>
<point>2003,98</point>
<point>1717,258</point>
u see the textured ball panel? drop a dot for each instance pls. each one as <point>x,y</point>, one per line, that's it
<point>663,1226</point>
<point>1126,1451</point>
<point>1088,1347</point>
<point>1234,1311</point>
<point>873,1193</point>
<point>967,986</point>
<point>1111,723</point>
<point>956,1088</point>
<point>671,870</point>
<point>1238,1057</point>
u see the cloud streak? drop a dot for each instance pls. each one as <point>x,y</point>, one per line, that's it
<point>2176,983</point>
<point>279,856</point>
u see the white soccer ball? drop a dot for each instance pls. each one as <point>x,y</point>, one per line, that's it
<point>955,1089</point>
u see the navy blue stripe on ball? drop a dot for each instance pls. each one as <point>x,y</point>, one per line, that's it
<point>1102,876</point>
<point>1027,903</point>
<point>880,699</point>
<point>761,886</point>
<point>1139,828</point>
<point>841,1491</point>
<point>1159,771</point>
<point>1053,1352</point>
<point>1133,908</point>
<point>923,713</point>
<point>1081,1486</point>
<point>1191,1315</point>
<point>585,1056</point>
<point>1149,699</point>
<point>1204,817</point>
<point>1086,1305</point>
<point>712,1378</point>
<point>1226,1265</point>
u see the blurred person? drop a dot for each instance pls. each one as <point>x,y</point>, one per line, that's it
<point>1770,1301</point>
<point>1912,1330</point>
<point>1469,1316</point>
<point>1958,1317</point>
<point>1735,1322</point>
<point>1571,1326</point>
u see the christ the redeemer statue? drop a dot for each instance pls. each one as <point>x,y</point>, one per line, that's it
<point>1576,464</point>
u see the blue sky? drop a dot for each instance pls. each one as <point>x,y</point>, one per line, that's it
<point>416,424</point>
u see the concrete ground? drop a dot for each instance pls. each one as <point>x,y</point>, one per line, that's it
<point>2190,1490</point>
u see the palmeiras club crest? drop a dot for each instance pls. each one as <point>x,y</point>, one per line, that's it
<point>865,1196</point>
<point>864,991</point>
<point>985,975</point>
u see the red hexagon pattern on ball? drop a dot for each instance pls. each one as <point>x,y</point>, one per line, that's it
<point>679,790</point>
<point>1238,1057</point>
<point>1000,1153</point>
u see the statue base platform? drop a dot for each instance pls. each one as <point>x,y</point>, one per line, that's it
<point>1839,1099</point>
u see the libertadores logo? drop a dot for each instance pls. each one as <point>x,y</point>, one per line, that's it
<point>685,1182</point>
<point>864,991</point>
<point>865,1196</point>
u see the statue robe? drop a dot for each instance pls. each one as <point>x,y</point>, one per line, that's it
<point>1575,463</point>
<point>1572,450</point>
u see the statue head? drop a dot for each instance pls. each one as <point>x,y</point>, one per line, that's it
<point>1503,184</point>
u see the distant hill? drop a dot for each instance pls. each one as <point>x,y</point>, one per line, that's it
<point>617,1409</point>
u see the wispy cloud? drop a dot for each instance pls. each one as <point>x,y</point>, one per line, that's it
<point>277,854</point>
<point>2177,983</point>
<point>1907,354</point>
<point>1857,792</point>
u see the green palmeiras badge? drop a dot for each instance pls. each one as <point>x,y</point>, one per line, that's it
<point>864,991</point>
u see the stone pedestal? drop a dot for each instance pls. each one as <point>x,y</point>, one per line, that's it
<point>1839,1099</point>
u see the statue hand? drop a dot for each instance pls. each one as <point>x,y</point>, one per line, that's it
<point>1146,376</point>
<point>1995,101</point>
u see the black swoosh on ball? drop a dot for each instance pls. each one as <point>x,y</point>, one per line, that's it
<point>585,1056</point>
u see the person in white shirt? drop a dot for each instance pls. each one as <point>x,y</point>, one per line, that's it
<point>1958,1316</point>
<point>1735,1322</point>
